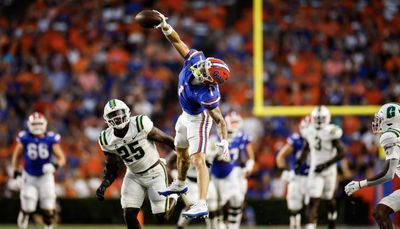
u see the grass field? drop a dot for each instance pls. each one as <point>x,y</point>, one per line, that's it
<point>158,227</point>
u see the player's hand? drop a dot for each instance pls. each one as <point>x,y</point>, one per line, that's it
<point>223,150</point>
<point>287,175</point>
<point>321,167</point>
<point>352,187</point>
<point>100,191</point>
<point>163,24</point>
<point>48,168</point>
<point>16,174</point>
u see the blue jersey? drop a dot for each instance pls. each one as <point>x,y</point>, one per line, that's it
<point>37,150</point>
<point>237,150</point>
<point>297,143</point>
<point>194,98</point>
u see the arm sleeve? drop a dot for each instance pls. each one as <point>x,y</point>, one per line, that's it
<point>390,143</point>
<point>194,56</point>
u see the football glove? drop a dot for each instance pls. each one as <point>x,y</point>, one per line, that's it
<point>287,175</point>
<point>352,187</point>
<point>163,24</point>
<point>223,150</point>
<point>101,190</point>
<point>48,168</point>
<point>321,167</point>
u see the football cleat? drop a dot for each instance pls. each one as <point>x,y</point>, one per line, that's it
<point>198,210</point>
<point>174,188</point>
<point>22,220</point>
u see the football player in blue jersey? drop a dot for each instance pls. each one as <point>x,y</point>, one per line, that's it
<point>230,178</point>
<point>199,98</point>
<point>297,180</point>
<point>42,155</point>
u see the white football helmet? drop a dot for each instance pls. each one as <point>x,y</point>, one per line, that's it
<point>117,114</point>
<point>320,116</point>
<point>387,117</point>
<point>37,123</point>
<point>234,122</point>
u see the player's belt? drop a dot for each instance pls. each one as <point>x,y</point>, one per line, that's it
<point>145,171</point>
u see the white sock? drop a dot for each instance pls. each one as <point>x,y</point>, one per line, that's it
<point>295,221</point>
<point>183,221</point>
<point>202,202</point>
<point>311,226</point>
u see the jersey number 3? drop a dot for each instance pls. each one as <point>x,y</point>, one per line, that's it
<point>127,151</point>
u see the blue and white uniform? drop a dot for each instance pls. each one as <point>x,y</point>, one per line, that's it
<point>37,152</point>
<point>230,177</point>
<point>296,193</point>
<point>194,124</point>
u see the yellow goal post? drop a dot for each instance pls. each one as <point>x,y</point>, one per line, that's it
<point>259,109</point>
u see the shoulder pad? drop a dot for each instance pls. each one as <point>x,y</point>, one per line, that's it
<point>389,138</point>
<point>335,131</point>
<point>143,122</point>
<point>103,138</point>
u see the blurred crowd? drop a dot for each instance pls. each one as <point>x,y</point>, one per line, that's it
<point>68,58</point>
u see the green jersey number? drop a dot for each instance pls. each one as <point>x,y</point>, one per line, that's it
<point>126,151</point>
<point>318,143</point>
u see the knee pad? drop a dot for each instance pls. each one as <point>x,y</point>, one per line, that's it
<point>29,199</point>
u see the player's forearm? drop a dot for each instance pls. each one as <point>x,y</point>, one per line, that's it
<point>385,175</point>
<point>174,38</point>
<point>15,155</point>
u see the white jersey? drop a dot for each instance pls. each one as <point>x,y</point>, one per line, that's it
<point>137,152</point>
<point>320,142</point>
<point>390,142</point>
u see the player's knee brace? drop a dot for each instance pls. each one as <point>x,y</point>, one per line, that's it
<point>234,214</point>
<point>130,216</point>
<point>48,216</point>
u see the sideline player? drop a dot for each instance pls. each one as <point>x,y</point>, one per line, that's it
<point>325,149</point>
<point>199,98</point>
<point>387,124</point>
<point>132,139</point>
<point>295,177</point>
<point>230,178</point>
<point>38,148</point>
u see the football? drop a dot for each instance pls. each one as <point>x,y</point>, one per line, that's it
<point>148,19</point>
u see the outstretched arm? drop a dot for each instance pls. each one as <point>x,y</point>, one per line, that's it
<point>173,36</point>
<point>216,115</point>
<point>159,136</point>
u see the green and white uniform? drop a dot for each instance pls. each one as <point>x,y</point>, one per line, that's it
<point>390,142</point>
<point>320,141</point>
<point>144,171</point>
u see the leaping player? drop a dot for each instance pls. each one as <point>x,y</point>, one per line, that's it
<point>199,98</point>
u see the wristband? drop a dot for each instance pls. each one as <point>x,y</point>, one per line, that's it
<point>363,183</point>
<point>56,166</point>
<point>168,31</point>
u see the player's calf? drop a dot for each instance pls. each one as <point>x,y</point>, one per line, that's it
<point>130,216</point>
<point>381,215</point>
<point>48,218</point>
<point>332,214</point>
<point>294,219</point>
<point>23,219</point>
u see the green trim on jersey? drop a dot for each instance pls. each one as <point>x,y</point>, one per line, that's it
<point>101,138</point>
<point>139,123</point>
<point>166,184</point>
<point>104,138</point>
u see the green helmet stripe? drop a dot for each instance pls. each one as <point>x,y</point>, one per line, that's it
<point>112,103</point>
<point>395,130</point>
<point>397,134</point>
